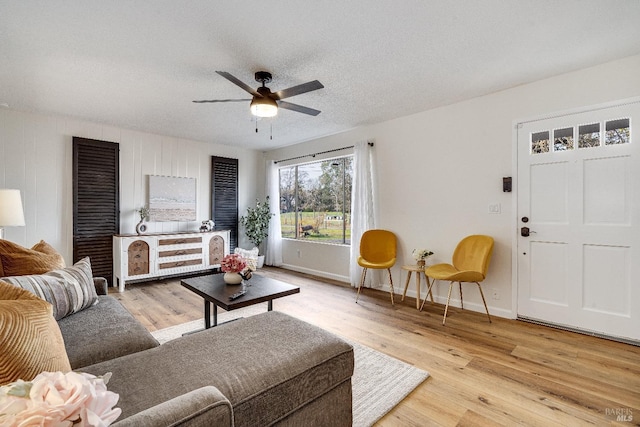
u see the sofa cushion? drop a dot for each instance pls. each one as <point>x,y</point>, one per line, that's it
<point>103,332</point>
<point>16,260</point>
<point>68,290</point>
<point>268,366</point>
<point>30,340</point>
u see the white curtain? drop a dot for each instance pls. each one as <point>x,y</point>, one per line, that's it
<point>273,255</point>
<point>363,207</point>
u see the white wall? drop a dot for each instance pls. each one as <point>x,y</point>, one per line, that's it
<point>440,169</point>
<point>35,157</point>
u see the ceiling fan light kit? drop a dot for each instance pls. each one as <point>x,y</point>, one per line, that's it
<point>264,105</point>
<point>260,108</point>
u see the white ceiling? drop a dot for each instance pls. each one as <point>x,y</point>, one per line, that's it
<point>139,64</point>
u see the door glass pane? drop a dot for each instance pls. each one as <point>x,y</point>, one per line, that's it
<point>540,142</point>
<point>617,132</point>
<point>563,139</point>
<point>589,135</point>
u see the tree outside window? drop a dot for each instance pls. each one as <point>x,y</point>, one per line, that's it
<point>315,201</point>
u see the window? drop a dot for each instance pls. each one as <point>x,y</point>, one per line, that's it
<point>616,132</point>
<point>540,142</point>
<point>589,135</point>
<point>563,139</point>
<point>315,201</point>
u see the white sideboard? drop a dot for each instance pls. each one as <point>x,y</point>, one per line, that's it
<point>151,256</point>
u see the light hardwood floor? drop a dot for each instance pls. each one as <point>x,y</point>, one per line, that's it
<point>505,373</point>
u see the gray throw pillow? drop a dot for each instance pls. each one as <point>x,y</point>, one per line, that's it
<point>69,290</point>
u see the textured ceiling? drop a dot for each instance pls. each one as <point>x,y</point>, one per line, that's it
<point>139,64</point>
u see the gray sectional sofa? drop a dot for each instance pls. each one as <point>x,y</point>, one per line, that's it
<point>269,369</point>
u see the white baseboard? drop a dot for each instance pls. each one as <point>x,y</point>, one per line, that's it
<point>411,292</point>
<point>454,302</point>
<point>318,273</point>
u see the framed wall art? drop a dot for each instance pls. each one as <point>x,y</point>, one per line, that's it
<point>172,198</point>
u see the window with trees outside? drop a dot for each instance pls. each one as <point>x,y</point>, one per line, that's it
<point>315,201</point>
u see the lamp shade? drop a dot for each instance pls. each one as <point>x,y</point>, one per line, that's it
<point>11,213</point>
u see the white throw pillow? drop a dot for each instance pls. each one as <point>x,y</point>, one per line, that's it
<point>251,255</point>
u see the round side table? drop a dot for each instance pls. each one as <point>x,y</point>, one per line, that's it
<point>413,268</point>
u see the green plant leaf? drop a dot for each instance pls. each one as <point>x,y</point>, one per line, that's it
<point>256,222</point>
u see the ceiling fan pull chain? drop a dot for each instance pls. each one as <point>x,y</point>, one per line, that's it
<point>271,134</point>
<point>256,117</point>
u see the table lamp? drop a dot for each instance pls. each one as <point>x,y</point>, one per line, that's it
<point>11,213</point>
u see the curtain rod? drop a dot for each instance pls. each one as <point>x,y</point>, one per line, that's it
<point>318,153</point>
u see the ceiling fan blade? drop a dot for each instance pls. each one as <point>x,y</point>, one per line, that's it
<point>297,90</point>
<point>239,83</point>
<point>298,108</point>
<point>203,101</point>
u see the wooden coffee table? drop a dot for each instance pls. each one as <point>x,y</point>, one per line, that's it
<point>215,291</point>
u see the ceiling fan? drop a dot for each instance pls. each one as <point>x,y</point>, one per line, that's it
<point>266,103</point>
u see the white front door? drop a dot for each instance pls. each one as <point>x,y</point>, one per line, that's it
<point>579,198</point>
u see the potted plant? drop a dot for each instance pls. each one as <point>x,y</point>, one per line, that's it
<point>256,224</point>
<point>421,255</point>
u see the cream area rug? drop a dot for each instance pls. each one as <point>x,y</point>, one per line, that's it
<point>379,381</point>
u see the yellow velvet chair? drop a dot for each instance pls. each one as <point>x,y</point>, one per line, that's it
<point>471,260</point>
<point>377,251</point>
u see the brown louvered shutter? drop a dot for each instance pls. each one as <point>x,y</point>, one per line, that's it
<point>224,196</point>
<point>96,203</point>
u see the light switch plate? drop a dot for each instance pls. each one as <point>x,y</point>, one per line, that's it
<point>495,208</point>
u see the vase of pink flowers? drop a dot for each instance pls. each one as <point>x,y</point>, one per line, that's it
<point>231,265</point>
